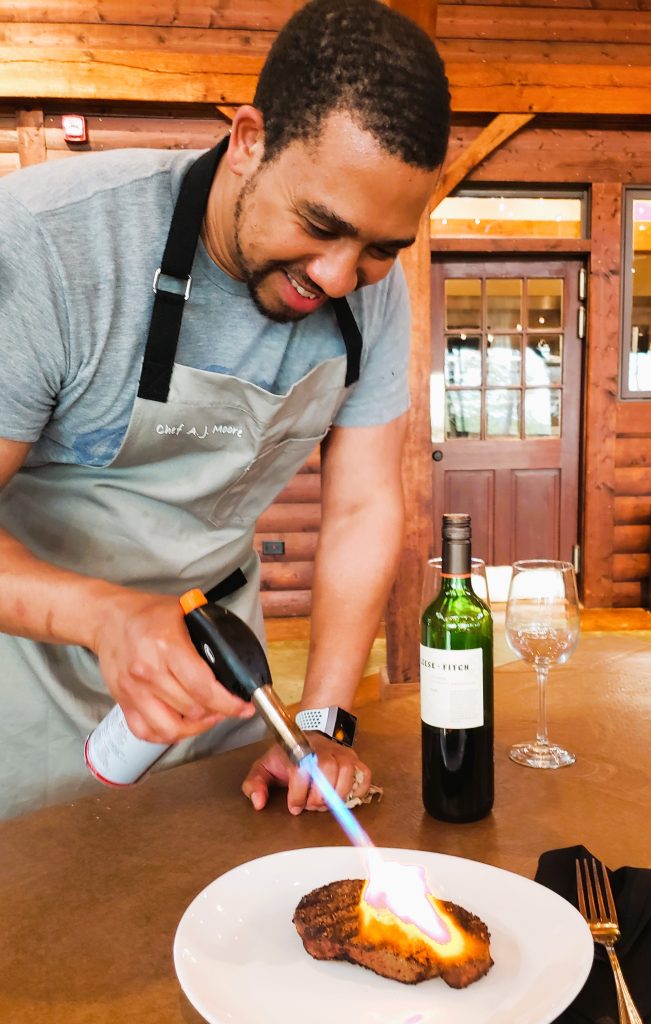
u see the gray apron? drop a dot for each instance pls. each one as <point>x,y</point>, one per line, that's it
<point>204,454</point>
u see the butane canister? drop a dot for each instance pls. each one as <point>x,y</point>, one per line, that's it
<point>118,758</point>
<point>115,756</point>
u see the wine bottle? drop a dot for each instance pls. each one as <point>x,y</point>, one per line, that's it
<point>456,679</point>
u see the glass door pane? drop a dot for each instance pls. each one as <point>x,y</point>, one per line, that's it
<point>504,304</point>
<point>545,303</point>
<point>462,303</point>
<point>503,380</point>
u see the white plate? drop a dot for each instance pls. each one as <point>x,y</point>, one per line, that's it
<point>240,960</point>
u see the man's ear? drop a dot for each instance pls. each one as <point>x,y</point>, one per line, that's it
<point>246,145</point>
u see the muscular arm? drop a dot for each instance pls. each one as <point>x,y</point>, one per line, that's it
<point>356,560</point>
<point>149,665</point>
<point>357,555</point>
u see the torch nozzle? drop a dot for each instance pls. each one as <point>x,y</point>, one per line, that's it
<point>293,740</point>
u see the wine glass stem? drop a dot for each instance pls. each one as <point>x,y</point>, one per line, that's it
<point>541,676</point>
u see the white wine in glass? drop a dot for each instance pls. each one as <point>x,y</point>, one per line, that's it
<point>542,627</point>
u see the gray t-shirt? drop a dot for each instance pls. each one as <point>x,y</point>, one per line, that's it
<point>79,243</point>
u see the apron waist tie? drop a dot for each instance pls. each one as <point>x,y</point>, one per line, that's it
<point>227,586</point>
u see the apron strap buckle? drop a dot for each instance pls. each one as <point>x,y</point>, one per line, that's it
<point>157,286</point>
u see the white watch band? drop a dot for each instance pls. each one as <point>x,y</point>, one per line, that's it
<point>317,720</point>
<point>337,723</point>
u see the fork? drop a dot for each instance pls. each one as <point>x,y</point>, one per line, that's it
<point>605,929</point>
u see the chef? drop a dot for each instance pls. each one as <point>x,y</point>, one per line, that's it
<point>178,331</point>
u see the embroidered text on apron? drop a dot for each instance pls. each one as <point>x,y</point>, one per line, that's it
<point>203,456</point>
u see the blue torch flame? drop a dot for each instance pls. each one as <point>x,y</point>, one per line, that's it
<point>342,814</point>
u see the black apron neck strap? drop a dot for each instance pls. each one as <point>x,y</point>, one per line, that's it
<point>352,336</point>
<point>181,245</point>
<point>173,282</point>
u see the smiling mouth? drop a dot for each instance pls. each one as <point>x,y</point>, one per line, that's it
<point>302,291</point>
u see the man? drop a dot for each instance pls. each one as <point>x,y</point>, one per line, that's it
<point>143,434</point>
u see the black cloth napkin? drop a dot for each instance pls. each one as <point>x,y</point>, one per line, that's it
<point>596,1003</point>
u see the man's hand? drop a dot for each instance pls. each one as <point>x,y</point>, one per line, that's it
<point>340,765</point>
<point>167,692</point>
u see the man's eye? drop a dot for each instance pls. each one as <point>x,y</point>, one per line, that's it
<point>317,232</point>
<point>384,254</point>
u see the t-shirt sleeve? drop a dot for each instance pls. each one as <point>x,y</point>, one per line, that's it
<point>382,392</point>
<point>33,326</point>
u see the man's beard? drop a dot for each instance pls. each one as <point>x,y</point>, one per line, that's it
<point>254,276</point>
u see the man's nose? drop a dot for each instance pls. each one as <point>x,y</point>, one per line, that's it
<point>336,271</point>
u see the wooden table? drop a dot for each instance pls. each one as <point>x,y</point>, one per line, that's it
<point>91,892</point>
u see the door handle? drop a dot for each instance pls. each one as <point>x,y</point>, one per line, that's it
<point>437,455</point>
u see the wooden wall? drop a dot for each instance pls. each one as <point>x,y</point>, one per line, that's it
<point>576,65</point>
<point>580,42</point>
<point>617,479</point>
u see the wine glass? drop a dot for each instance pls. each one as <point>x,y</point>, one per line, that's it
<point>432,581</point>
<point>542,627</point>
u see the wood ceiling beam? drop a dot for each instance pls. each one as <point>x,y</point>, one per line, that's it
<point>423,12</point>
<point>229,79</point>
<point>529,88</point>
<point>493,135</point>
<point>138,75</point>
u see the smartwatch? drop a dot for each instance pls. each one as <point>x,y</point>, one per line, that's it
<point>334,722</point>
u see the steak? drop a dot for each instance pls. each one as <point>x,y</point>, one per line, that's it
<point>327,920</point>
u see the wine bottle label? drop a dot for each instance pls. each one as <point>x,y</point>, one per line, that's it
<point>452,688</point>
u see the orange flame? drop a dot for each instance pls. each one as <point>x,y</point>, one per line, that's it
<point>397,909</point>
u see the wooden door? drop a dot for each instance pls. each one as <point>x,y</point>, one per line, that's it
<point>506,404</point>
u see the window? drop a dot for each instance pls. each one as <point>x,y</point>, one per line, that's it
<point>635,377</point>
<point>480,213</point>
<point>503,372</point>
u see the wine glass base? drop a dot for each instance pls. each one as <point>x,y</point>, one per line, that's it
<point>541,755</point>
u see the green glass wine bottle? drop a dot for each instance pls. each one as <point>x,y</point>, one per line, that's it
<point>456,680</point>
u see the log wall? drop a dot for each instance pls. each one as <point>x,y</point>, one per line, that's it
<point>165,72</point>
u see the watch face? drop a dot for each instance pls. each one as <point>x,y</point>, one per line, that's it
<point>345,728</point>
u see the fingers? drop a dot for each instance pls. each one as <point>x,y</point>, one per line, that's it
<point>272,769</point>
<point>341,768</point>
<point>166,690</point>
<point>196,680</point>
<point>256,785</point>
<point>154,721</point>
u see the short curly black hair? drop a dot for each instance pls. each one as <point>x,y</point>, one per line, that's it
<point>367,59</point>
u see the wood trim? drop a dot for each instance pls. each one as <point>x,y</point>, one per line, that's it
<point>513,87</point>
<point>632,510</point>
<point>632,539</point>
<point>535,246</point>
<point>633,481</point>
<point>138,75</point>
<point>634,418</point>
<point>403,609</point>
<point>231,14</point>
<point>286,575</point>
<point>538,50</point>
<point>601,395</point>
<point>150,76</point>
<point>629,568</point>
<point>629,595</point>
<point>521,21</point>
<point>633,451</point>
<point>290,518</point>
<point>423,12</point>
<point>285,602</point>
<point>30,135</point>
<point>489,139</point>
<point>70,35</point>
